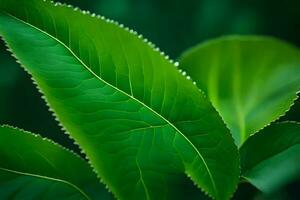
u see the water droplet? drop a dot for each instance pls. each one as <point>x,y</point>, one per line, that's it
<point>176,64</point>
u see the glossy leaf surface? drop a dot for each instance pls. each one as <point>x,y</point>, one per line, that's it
<point>270,159</point>
<point>250,80</point>
<point>140,122</point>
<point>32,167</point>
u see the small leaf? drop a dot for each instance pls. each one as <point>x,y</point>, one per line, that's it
<point>250,80</point>
<point>32,167</point>
<point>270,159</point>
<point>140,122</point>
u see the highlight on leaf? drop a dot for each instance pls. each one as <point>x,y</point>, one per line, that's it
<point>251,80</point>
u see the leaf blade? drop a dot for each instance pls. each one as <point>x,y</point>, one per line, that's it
<point>32,163</point>
<point>134,108</point>
<point>270,165</point>
<point>251,80</point>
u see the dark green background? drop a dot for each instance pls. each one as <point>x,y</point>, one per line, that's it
<point>173,25</point>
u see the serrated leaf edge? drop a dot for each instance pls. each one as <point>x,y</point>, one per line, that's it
<point>131,31</point>
<point>145,40</point>
<point>56,118</point>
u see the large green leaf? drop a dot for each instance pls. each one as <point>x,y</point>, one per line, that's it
<point>32,167</point>
<point>140,122</point>
<point>250,80</point>
<point>270,159</point>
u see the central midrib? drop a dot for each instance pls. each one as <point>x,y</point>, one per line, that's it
<point>130,96</point>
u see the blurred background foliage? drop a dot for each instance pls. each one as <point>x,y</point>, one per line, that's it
<point>173,25</point>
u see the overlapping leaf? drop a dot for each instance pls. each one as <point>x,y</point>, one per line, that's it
<point>32,167</point>
<point>270,159</point>
<point>250,80</point>
<point>139,121</point>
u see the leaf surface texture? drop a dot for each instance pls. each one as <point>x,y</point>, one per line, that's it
<point>140,122</point>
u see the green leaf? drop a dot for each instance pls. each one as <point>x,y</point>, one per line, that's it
<point>294,112</point>
<point>140,122</point>
<point>250,80</point>
<point>270,159</point>
<point>32,167</point>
